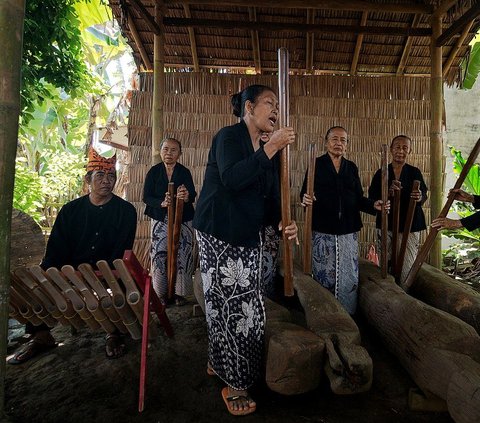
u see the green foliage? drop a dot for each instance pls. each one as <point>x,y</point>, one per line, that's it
<point>471,66</point>
<point>28,190</point>
<point>469,244</point>
<point>52,52</point>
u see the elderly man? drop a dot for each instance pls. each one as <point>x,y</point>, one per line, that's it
<point>97,226</point>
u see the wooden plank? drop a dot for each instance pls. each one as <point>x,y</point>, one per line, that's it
<point>309,56</point>
<point>307,228</point>
<point>138,43</point>
<point>193,42</point>
<point>455,49</point>
<point>358,45</point>
<point>408,46</point>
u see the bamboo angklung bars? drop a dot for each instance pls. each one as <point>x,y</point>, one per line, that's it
<point>384,229</point>
<point>397,271</point>
<point>283,97</point>
<point>307,229</point>
<point>427,245</point>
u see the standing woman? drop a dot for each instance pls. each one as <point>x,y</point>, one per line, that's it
<point>157,200</point>
<point>337,202</point>
<point>240,188</point>
<point>400,177</point>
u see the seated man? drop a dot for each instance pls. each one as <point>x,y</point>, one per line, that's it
<point>97,226</point>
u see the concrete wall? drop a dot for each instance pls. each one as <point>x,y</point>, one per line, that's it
<point>462,109</point>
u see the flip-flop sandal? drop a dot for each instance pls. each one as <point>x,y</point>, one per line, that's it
<point>114,341</point>
<point>31,350</point>
<point>228,399</point>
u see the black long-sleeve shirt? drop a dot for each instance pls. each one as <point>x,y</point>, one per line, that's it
<point>407,176</point>
<point>156,185</point>
<point>240,192</point>
<point>472,222</point>
<point>339,197</point>
<point>86,233</point>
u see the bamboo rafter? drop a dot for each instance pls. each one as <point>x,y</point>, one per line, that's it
<point>407,47</point>
<point>193,42</point>
<point>358,45</point>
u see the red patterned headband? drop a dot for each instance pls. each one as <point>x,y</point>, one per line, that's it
<point>97,162</point>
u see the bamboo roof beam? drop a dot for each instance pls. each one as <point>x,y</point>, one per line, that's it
<point>459,25</point>
<point>444,7</point>
<point>252,14</point>
<point>139,44</point>
<point>353,5</point>
<point>407,47</point>
<point>358,45</point>
<point>298,27</point>
<point>193,42</point>
<point>145,15</point>
<point>456,48</point>
<point>310,43</point>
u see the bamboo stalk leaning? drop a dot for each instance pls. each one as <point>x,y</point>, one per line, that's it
<point>384,229</point>
<point>177,229</point>
<point>395,229</point>
<point>427,245</point>
<point>307,230</point>
<point>406,233</point>
<point>170,226</point>
<point>283,97</point>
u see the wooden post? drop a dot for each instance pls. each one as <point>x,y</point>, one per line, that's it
<point>397,270</point>
<point>395,225</point>
<point>436,139</point>
<point>384,229</point>
<point>283,91</point>
<point>158,86</point>
<point>170,225</point>
<point>11,34</point>
<point>427,245</point>
<point>307,228</point>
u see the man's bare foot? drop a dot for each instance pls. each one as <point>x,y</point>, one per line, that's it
<point>239,403</point>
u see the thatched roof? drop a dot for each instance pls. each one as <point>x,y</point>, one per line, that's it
<point>374,37</point>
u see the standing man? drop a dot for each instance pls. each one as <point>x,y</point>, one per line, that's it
<point>97,226</point>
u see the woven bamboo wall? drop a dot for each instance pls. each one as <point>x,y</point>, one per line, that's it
<point>373,110</point>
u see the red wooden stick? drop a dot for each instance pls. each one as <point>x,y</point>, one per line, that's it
<point>170,225</point>
<point>144,353</point>
<point>395,228</point>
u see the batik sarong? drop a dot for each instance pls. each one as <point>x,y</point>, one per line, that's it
<point>271,244</point>
<point>234,308</point>
<point>411,250</point>
<point>183,285</point>
<point>335,266</point>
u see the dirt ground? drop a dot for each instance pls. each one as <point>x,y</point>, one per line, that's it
<point>76,383</point>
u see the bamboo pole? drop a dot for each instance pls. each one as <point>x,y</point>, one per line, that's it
<point>397,270</point>
<point>384,227</point>
<point>158,86</point>
<point>395,225</point>
<point>307,229</point>
<point>436,139</point>
<point>170,225</point>
<point>285,169</point>
<point>11,33</point>
<point>423,253</point>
